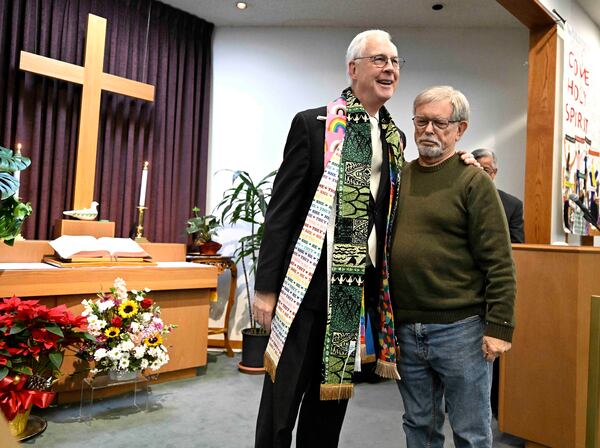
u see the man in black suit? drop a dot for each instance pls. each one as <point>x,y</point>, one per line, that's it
<point>513,207</point>
<point>373,69</point>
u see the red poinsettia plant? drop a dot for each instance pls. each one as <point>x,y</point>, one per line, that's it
<point>33,338</point>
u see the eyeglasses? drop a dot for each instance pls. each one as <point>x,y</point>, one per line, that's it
<point>490,171</point>
<point>381,60</point>
<point>438,123</point>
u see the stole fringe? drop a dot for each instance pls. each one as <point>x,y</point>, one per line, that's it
<point>387,369</point>
<point>270,366</point>
<point>336,391</point>
<point>366,357</point>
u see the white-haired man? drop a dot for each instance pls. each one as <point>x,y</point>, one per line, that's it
<point>452,281</point>
<point>319,255</point>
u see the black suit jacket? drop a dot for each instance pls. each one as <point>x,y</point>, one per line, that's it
<point>513,208</point>
<point>293,191</point>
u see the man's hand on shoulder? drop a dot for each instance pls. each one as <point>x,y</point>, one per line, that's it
<point>468,158</point>
<point>494,347</point>
<point>263,308</point>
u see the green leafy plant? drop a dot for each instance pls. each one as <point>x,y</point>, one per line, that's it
<point>246,202</point>
<point>202,227</point>
<point>12,211</point>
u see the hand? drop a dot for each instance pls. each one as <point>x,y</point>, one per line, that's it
<point>493,347</point>
<point>468,158</point>
<point>263,308</point>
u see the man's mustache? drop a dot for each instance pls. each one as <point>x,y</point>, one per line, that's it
<point>427,140</point>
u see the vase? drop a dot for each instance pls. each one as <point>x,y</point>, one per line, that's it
<point>122,375</point>
<point>18,424</point>
<point>209,248</point>
<point>254,344</point>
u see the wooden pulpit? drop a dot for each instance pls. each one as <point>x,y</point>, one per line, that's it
<point>548,382</point>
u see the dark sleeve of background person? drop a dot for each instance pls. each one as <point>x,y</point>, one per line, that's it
<point>513,208</point>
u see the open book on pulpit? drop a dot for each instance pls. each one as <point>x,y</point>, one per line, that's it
<point>104,251</point>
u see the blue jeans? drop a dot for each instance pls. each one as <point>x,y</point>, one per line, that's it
<point>445,359</point>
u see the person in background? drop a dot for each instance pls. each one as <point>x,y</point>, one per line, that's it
<point>513,207</point>
<point>452,281</point>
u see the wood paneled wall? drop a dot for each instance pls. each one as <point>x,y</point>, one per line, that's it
<point>541,111</point>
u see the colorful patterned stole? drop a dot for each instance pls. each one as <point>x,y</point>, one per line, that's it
<point>346,178</point>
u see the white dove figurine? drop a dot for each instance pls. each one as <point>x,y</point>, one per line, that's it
<point>86,214</point>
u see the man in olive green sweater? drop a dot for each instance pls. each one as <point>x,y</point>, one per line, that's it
<point>452,281</point>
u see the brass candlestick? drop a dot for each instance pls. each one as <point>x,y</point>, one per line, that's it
<point>139,230</point>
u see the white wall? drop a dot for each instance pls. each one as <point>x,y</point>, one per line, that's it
<point>263,76</point>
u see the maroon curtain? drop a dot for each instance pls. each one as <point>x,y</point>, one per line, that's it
<point>146,41</point>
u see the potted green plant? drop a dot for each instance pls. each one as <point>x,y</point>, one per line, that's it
<point>12,211</point>
<point>246,202</point>
<point>202,228</point>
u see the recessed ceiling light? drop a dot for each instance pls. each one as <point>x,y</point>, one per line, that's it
<point>241,5</point>
<point>437,6</point>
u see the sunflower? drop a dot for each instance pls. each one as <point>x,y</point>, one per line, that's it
<point>154,340</point>
<point>112,332</point>
<point>128,308</point>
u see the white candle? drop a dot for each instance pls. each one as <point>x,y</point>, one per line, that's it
<point>17,174</point>
<point>144,183</point>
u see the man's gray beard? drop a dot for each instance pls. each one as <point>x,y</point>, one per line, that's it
<point>430,152</point>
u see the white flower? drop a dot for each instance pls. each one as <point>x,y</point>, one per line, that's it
<point>155,365</point>
<point>115,354</point>
<point>121,288</point>
<point>153,351</point>
<point>134,291</point>
<point>124,364</point>
<point>95,325</point>
<point>144,364</point>
<point>135,327</point>
<point>104,305</point>
<point>139,351</point>
<point>126,346</point>
<point>87,308</point>
<point>99,354</point>
<point>147,290</point>
<point>147,317</point>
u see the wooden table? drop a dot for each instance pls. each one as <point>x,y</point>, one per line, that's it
<point>222,263</point>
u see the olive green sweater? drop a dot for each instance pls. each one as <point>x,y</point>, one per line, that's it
<point>451,254</point>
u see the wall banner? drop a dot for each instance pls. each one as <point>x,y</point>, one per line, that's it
<point>580,150</point>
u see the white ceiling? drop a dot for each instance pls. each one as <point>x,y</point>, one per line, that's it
<point>352,13</point>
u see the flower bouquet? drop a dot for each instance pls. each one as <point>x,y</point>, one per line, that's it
<point>33,338</point>
<point>128,331</point>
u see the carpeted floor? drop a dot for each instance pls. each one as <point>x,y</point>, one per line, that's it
<point>217,409</point>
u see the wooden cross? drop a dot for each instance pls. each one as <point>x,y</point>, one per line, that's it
<point>94,80</point>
